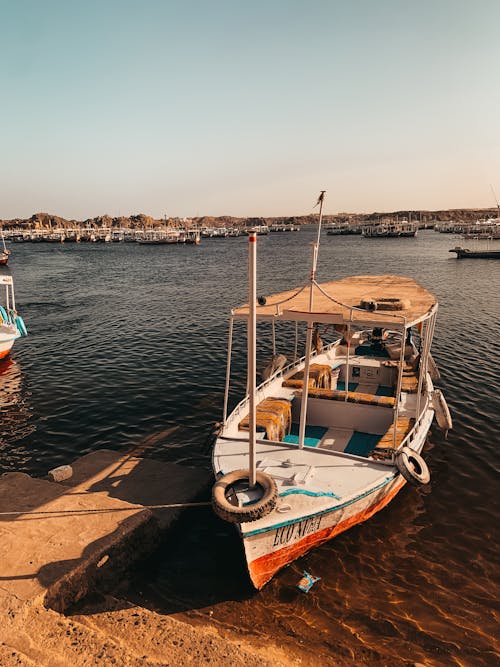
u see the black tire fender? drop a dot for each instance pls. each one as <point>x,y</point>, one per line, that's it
<point>234,514</point>
<point>412,466</point>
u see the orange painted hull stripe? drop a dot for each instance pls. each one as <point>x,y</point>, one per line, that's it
<point>262,569</point>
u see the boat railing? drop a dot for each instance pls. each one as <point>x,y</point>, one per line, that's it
<point>411,436</point>
<point>264,385</point>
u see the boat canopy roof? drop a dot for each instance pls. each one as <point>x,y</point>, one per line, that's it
<point>385,301</point>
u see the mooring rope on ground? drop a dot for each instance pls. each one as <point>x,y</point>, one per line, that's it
<point>106,509</point>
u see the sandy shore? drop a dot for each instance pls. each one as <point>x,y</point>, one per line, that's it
<point>113,632</point>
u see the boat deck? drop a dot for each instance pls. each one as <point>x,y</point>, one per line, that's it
<point>308,478</point>
<point>350,417</point>
<point>330,471</point>
<point>350,414</point>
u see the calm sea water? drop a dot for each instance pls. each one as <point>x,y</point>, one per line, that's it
<point>127,345</point>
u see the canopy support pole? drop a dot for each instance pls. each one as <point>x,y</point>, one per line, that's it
<point>347,338</point>
<point>252,353</point>
<point>423,363</point>
<point>228,368</point>
<point>305,387</point>
<point>399,385</point>
<point>424,356</point>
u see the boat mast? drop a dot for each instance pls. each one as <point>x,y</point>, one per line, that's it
<point>305,391</point>
<point>252,351</point>
<point>498,205</point>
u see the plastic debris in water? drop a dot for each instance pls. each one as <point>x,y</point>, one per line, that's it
<point>307,582</point>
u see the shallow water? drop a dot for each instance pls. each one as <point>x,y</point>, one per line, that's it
<point>127,347</point>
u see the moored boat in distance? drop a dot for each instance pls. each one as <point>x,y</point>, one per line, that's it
<point>214,232</point>
<point>158,238</point>
<point>169,237</point>
<point>260,228</point>
<point>106,235</point>
<point>12,325</point>
<point>328,440</point>
<point>342,229</point>
<point>387,228</point>
<point>285,227</point>
<point>465,253</point>
<point>337,228</point>
<point>4,253</point>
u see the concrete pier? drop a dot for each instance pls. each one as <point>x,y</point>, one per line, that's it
<point>64,538</point>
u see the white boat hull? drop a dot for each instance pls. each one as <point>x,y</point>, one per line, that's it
<point>270,548</point>
<point>269,551</point>
<point>7,340</point>
<point>339,491</point>
<point>330,440</point>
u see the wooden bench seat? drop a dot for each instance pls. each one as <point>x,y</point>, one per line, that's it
<point>404,426</point>
<point>410,363</point>
<point>409,382</point>
<point>272,415</point>
<point>296,383</point>
<point>353,397</point>
<point>320,375</point>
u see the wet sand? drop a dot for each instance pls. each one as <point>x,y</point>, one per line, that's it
<point>115,633</point>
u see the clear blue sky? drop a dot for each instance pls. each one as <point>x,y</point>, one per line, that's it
<point>247,107</point>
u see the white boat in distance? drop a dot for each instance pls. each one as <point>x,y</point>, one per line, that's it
<point>4,252</point>
<point>328,440</point>
<point>12,325</point>
<point>389,229</point>
<point>169,237</point>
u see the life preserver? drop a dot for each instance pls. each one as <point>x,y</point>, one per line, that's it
<point>21,327</point>
<point>234,514</point>
<point>412,466</point>
<point>443,416</point>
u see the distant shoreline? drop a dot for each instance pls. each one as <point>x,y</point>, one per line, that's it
<point>142,221</point>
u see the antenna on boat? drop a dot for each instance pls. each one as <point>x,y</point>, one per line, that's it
<point>494,195</point>
<point>320,201</point>
<point>309,334</point>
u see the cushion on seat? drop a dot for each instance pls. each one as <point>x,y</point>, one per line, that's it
<point>272,415</point>
<point>353,397</point>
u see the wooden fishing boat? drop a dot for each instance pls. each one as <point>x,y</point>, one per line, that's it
<point>465,253</point>
<point>390,229</point>
<point>4,252</point>
<point>169,237</point>
<point>328,440</point>
<point>12,325</point>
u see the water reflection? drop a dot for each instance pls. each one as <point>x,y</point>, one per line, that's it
<point>16,416</point>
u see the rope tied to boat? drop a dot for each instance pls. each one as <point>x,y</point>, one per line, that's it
<point>98,510</point>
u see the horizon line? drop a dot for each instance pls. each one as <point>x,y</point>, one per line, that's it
<point>243,217</point>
